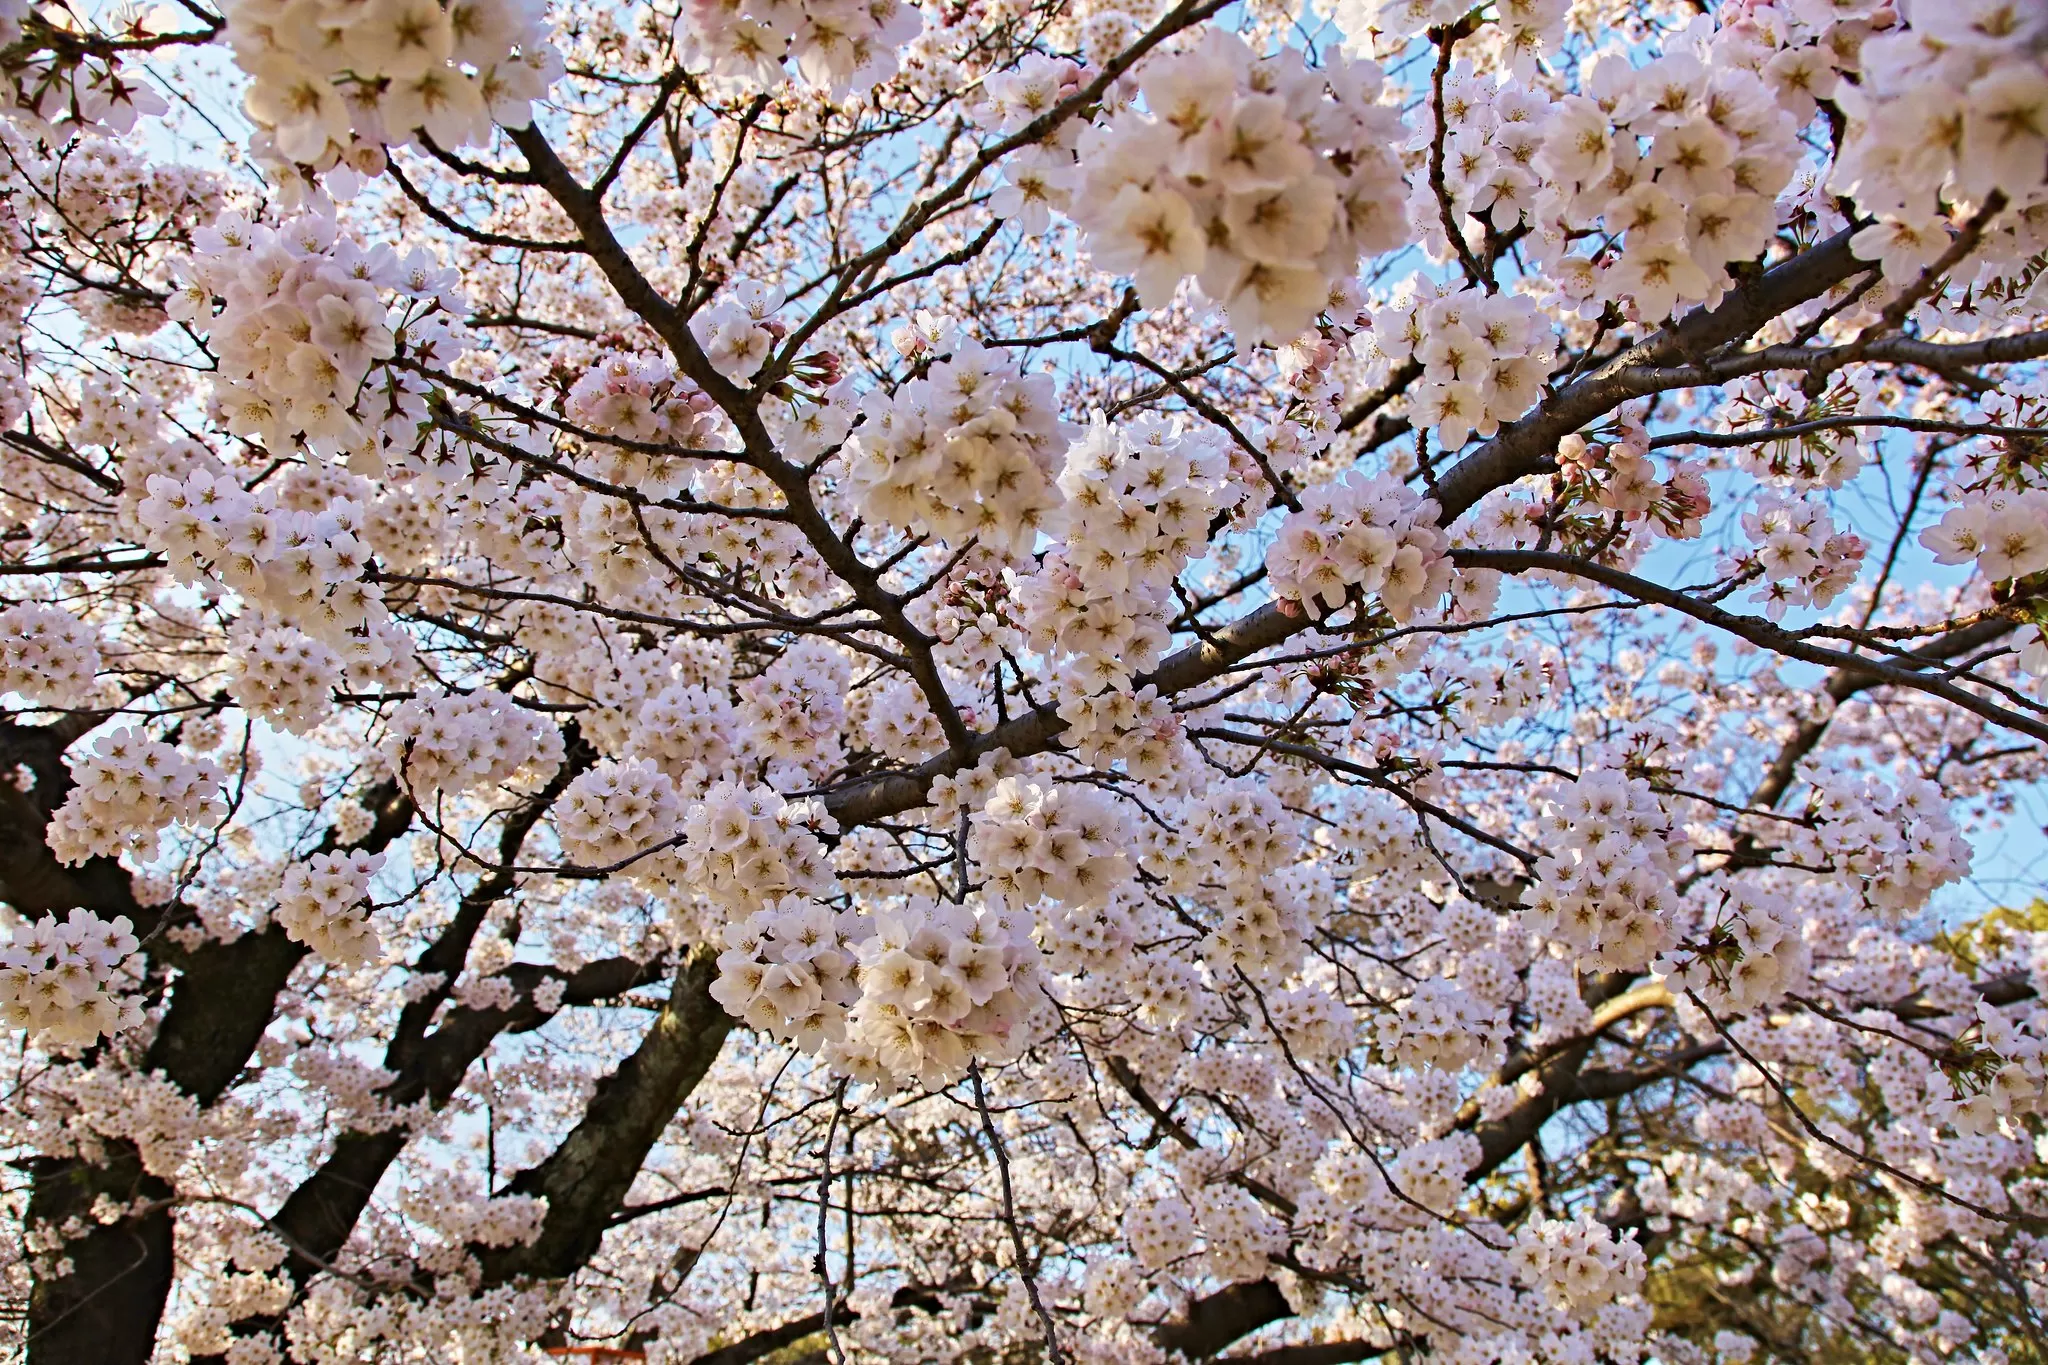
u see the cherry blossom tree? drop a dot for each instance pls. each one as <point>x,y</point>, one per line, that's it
<point>1100,681</point>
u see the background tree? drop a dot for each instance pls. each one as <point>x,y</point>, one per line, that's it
<point>1086,681</point>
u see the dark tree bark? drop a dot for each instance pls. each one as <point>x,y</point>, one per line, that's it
<point>586,1178</point>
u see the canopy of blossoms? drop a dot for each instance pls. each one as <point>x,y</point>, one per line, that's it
<point>1099,681</point>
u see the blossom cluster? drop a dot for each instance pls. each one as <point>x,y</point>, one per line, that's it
<point>1606,894</point>
<point>47,655</point>
<point>1493,131</point>
<point>617,811</point>
<point>1238,1233</point>
<point>641,399</point>
<point>1039,178</point>
<point>1946,107</point>
<point>286,678</point>
<point>744,846</point>
<point>1263,178</point>
<point>1615,472</point>
<point>1804,560</point>
<point>690,732</point>
<point>56,978</point>
<point>1814,459</point>
<point>130,788</point>
<point>58,88</point>
<point>843,47</point>
<point>1371,533</point>
<point>320,904</point>
<point>331,87</point>
<point>1040,840</point>
<point>1529,27</point>
<point>1679,161</point>
<point>1550,994</point>
<point>1753,954</point>
<point>916,992</point>
<point>1578,1264</point>
<point>1139,499</point>
<point>969,449</point>
<point>305,326</point>
<point>1159,1231</point>
<point>93,188</point>
<point>1484,357</point>
<point>791,968</point>
<point>2005,531</point>
<point>304,567</point>
<point>1441,1024</point>
<point>1113,1287</point>
<point>795,711</point>
<point>1896,842</point>
<point>738,328</point>
<point>2018,1082</point>
<point>1236,858</point>
<point>456,742</point>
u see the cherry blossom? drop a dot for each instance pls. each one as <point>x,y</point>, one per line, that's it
<point>1118,682</point>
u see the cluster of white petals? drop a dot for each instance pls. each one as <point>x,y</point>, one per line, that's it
<point>914,993</point>
<point>743,847</point>
<point>1805,561</point>
<point>641,399</point>
<point>970,449</point>
<point>1951,106</point>
<point>1896,841</point>
<point>320,904</point>
<point>304,319</point>
<point>1606,893</point>
<point>1578,1263</point>
<point>47,655</point>
<point>1673,169</point>
<point>305,568</point>
<point>1815,459</point>
<point>1160,1231</point>
<point>2005,531</point>
<point>689,731</point>
<point>1369,533</point>
<point>1262,178</point>
<point>458,742</point>
<point>1529,27</point>
<point>57,979</point>
<point>840,46</point>
<point>58,88</point>
<point>1139,498</point>
<point>616,812</point>
<point>286,678</point>
<point>1441,1025</point>
<point>1484,357</point>
<point>332,83</point>
<point>1754,954</point>
<point>1039,840</point>
<point>795,711</point>
<point>1616,473</point>
<point>2017,1086</point>
<point>130,788</point>
<point>738,329</point>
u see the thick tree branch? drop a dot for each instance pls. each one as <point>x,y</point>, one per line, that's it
<point>586,1178</point>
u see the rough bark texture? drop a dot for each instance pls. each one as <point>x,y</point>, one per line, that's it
<point>586,1178</point>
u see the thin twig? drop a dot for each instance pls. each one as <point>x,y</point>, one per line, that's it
<point>1053,1349</point>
